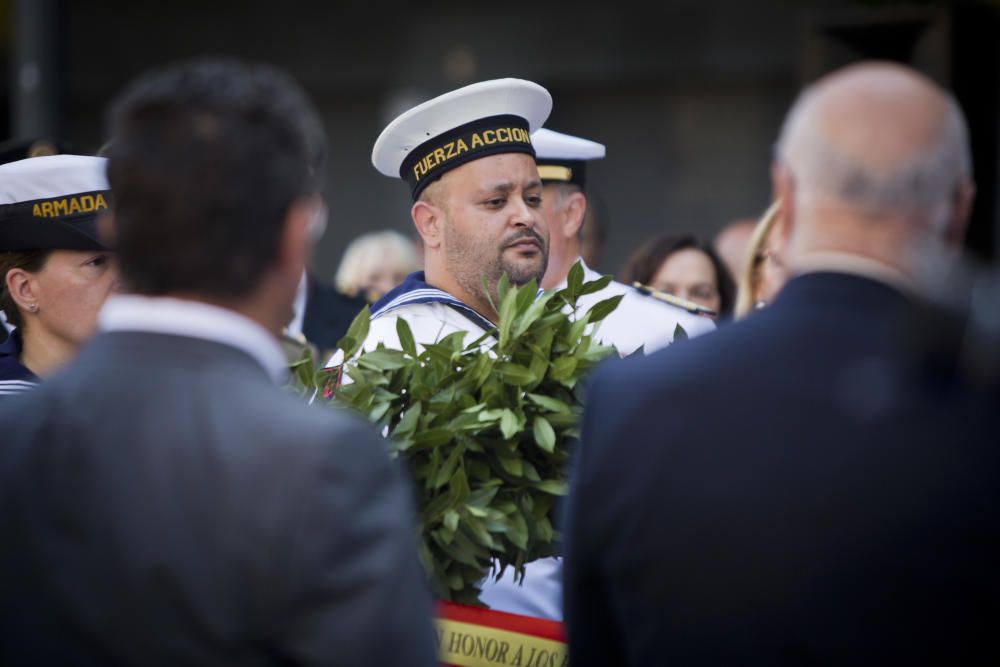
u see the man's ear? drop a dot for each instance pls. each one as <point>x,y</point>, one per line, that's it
<point>783,189</point>
<point>575,206</point>
<point>427,218</point>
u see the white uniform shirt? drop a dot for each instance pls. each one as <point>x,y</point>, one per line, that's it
<point>431,314</point>
<point>639,320</point>
<point>429,323</point>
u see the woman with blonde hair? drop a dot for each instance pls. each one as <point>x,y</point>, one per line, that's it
<point>374,263</point>
<point>764,271</point>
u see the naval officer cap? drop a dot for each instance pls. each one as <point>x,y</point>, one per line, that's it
<point>52,202</point>
<point>562,158</point>
<point>482,119</point>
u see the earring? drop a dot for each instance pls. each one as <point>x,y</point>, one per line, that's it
<point>33,307</point>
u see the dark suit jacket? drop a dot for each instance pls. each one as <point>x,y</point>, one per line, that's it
<point>163,502</point>
<point>328,314</point>
<point>793,489</point>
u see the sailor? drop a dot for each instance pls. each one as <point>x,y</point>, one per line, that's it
<point>55,271</point>
<point>468,160</point>
<point>641,320</point>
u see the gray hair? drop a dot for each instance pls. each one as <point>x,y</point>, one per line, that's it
<point>924,184</point>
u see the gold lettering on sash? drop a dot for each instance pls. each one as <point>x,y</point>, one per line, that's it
<point>489,136</point>
<point>476,140</point>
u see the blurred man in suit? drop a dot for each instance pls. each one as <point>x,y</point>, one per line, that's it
<point>163,501</point>
<point>796,489</point>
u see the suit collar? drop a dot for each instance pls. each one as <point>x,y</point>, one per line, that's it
<point>180,317</point>
<point>857,265</point>
<point>832,290</point>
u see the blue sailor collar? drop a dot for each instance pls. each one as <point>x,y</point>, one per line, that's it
<point>10,365</point>
<point>414,289</point>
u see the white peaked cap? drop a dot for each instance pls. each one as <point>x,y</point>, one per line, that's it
<point>428,134</point>
<point>551,145</point>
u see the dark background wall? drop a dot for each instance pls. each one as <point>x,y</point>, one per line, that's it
<point>687,96</point>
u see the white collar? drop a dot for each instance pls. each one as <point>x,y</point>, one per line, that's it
<point>842,262</point>
<point>192,319</point>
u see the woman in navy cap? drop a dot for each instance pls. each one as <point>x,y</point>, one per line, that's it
<point>54,271</point>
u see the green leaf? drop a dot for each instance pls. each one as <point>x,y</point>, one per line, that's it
<point>577,328</point>
<point>509,424</point>
<point>517,530</point>
<point>525,296</point>
<point>534,312</point>
<point>549,403</point>
<point>382,360</point>
<point>490,415</point>
<point>379,411</point>
<point>356,334</point>
<point>554,487</point>
<point>602,309</point>
<point>545,436</point>
<point>405,337</point>
<point>595,285</point>
<point>574,281</point>
<point>459,485</point>
<point>447,469</point>
<point>679,333</point>
<point>502,287</point>
<point>516,374</point>
<point>512,465</point>
<point>508,308</point>
<point>409,421</point>
<point>563,367</point>
<point>433,437</point>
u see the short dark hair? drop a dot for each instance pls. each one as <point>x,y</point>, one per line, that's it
<point>644,263</point>
<point>31,261</point>
<point>205,159</point>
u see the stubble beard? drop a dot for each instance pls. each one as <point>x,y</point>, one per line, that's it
<point>470,259</point>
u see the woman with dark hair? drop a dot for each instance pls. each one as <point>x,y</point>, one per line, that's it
<point>54,272</point>
<point>685,267</point>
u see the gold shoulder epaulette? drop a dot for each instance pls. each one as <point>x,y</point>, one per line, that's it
<point>689,306</point>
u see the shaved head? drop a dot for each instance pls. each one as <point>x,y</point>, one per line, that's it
<point>878,137</point>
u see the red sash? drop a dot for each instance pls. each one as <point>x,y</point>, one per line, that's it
<point>476,637</point>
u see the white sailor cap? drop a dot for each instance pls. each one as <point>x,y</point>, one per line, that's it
<point>562,158</point>
<point>52,202</point>
<point>485,118</point>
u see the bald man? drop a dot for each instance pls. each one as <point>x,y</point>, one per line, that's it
<point>799,488</point>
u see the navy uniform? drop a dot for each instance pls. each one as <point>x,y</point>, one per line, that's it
<point>47,203</point>
<point>479,120</point>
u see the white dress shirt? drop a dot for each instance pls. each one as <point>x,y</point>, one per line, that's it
<point>194,319</point>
